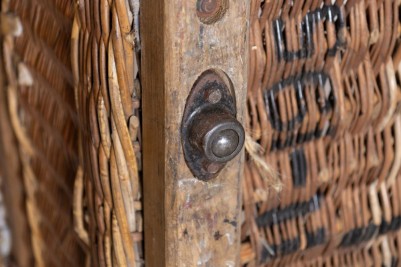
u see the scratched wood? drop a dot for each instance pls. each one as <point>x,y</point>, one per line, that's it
<point>188,222</point>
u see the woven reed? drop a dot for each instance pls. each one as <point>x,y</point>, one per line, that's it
<point>107,98</point>
<point>37,93</point>
<point>326,115</point>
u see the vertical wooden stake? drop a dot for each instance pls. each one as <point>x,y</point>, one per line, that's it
<point>188,222</point>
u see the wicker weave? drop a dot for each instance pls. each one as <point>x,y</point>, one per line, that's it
<point>323,100</point>
<point>107,97</point>
<point>37,85</point>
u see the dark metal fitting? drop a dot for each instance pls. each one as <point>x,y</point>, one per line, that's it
<point>211,134</point>
<point>210,11</point>
<point>217,134</point>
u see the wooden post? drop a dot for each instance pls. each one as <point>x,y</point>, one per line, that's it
<point>188,222</point>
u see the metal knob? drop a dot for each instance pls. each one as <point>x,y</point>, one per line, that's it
<point>211,134</point>
<point>217,134</point>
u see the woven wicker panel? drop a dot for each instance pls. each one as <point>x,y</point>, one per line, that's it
<point>39,88</point>
<point>323,99</point>
<point>107,92</point>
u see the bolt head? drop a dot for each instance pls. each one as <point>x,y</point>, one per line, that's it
<point>210,11</point>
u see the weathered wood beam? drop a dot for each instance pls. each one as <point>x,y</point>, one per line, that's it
<point>188,222</point>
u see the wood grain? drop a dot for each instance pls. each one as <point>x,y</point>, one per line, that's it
<point>188,222</point>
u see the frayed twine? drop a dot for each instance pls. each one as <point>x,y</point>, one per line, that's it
<point>268,174</point>
<point>24,75</point>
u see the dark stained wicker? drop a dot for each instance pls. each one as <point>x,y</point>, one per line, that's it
<point>323,101</point>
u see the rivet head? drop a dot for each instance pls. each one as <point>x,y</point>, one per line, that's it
<point>214,96</point>
<point>213,168</point>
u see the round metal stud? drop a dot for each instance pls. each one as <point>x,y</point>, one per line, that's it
<point>218,135</point>
<point>210,11</point>
<point>225,143</point>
